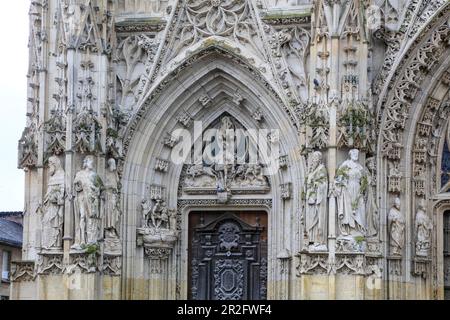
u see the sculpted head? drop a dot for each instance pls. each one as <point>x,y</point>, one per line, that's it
<point>54,165</point>
<point>316,159</point>
<point>422,205</point>
<point>397,203</point>
<point>88,163</point>
<point>354,154</point>
<point>112,165</point>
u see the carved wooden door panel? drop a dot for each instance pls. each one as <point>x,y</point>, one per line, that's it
<point>228,256</point>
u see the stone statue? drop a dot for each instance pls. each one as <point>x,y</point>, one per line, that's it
<point>316,203</point>
<point>88,186</point>
<point>396,227</point>
<point>160,215</point>
<point>223,169</point>
<point>424,228</point>
<point>373,218</point>
<point>53,206</point>
<point>159,226</point>
<point>112,212</point>
<point>351,187</point>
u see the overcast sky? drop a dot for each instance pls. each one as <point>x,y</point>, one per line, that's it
<point>13,96</point>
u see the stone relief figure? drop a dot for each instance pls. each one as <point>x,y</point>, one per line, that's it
<point>200,176</point>
<point>396,227</point>
<point>424,229</point>
<point>316,203</point>
<point>248,175</point>
<point>160,215</point>
<point>53,206</point>
<point>351,187</point>
<point>373,218</point>
<point>112,212</point>
<point>159,225</point>
<point>88,187</point>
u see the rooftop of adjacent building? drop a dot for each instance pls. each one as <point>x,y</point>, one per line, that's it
<point>11,229</point>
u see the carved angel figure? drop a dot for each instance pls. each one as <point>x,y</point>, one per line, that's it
<point>53,206</point>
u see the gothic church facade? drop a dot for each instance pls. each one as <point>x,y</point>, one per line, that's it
<point>353,95</point>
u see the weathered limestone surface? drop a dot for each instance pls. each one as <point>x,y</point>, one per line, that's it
<point>357,90</point>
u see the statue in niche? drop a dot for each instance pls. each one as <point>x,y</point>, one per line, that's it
<point>351,186</point>
<point>396,227</point>
<point>424,229</point>
<point>223,170</point>
<point>159,225</point>
<point>88,187</point>
<point>112,212</point>
<point>53,206</point>
<point>316,203</point>
<point>373,218</point>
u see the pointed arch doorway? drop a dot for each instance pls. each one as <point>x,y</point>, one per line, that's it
<point>228,255</point>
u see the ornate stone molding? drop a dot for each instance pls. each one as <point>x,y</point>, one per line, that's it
<point>23,271</point>
<point>312,263</point>
<point>50,263</point>
<point>83,262</point>
<point>112,265</point>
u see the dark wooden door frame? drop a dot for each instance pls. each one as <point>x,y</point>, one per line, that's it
<point>228,256</point>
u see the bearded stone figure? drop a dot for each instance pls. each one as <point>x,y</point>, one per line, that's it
<point>316,204</point>
<point>88,187</point>
<point>396,227</point>
<point>53,207</point>
<point>112,212</point>
<point>351,187</point>
<point>424,228</point>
